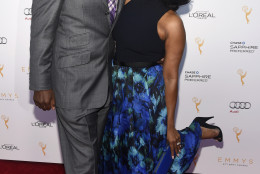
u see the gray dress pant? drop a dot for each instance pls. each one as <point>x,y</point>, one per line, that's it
<point>81,132</point>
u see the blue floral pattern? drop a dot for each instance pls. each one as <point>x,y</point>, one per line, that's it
<point>135,133</point>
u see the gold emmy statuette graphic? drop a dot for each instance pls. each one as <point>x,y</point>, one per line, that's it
<point>197,103</point>
<point>200,44</point>
<point>1,69</point>
<point>238,133</point>
<point>43,146</point>
<point>6,119</point>
<point>247,12</point>
<point>240,72</point>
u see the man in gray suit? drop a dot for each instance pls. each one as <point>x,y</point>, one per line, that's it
<point>71,50</point>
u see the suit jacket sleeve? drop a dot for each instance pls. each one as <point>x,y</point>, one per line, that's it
<point>45,18</point>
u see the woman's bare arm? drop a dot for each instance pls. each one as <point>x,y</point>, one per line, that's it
<point>171,29</point>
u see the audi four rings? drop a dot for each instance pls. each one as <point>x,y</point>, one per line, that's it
<point>3,40</point>
<point>28,11</point>
<point>240,105</point>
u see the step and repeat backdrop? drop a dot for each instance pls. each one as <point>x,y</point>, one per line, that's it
<point>219,76</point>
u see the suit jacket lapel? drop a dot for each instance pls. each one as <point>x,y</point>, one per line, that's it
<point>105,2</point>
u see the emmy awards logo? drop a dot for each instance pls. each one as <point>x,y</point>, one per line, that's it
<point>197,103</point>
<point>247,12</point>
<point>1,69</point>
<point>5,119</point>
<point>240,72</point>
<point>238,133</point>
<point>43,146</point>
<point>200,44</point>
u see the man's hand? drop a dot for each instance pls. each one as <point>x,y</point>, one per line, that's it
<point>44,99</point>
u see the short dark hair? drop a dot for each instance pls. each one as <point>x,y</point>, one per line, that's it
<point>175,4</point>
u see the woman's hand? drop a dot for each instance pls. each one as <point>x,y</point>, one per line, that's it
<point>174,140</point>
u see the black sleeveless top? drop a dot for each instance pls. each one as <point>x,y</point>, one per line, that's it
<point>135,32</point>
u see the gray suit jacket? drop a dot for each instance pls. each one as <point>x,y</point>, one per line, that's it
<point>71,50</point>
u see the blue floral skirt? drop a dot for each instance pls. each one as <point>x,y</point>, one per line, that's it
<point>135,134</point>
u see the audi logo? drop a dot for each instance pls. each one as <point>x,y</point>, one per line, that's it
<point>240,105</point>
<point>3,40</point>
<point>28,11</point>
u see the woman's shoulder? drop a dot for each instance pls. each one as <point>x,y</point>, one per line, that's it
<point>171,19</point>
<point>170,22</point>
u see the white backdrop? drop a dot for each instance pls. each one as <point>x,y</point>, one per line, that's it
<point>219,76</point>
